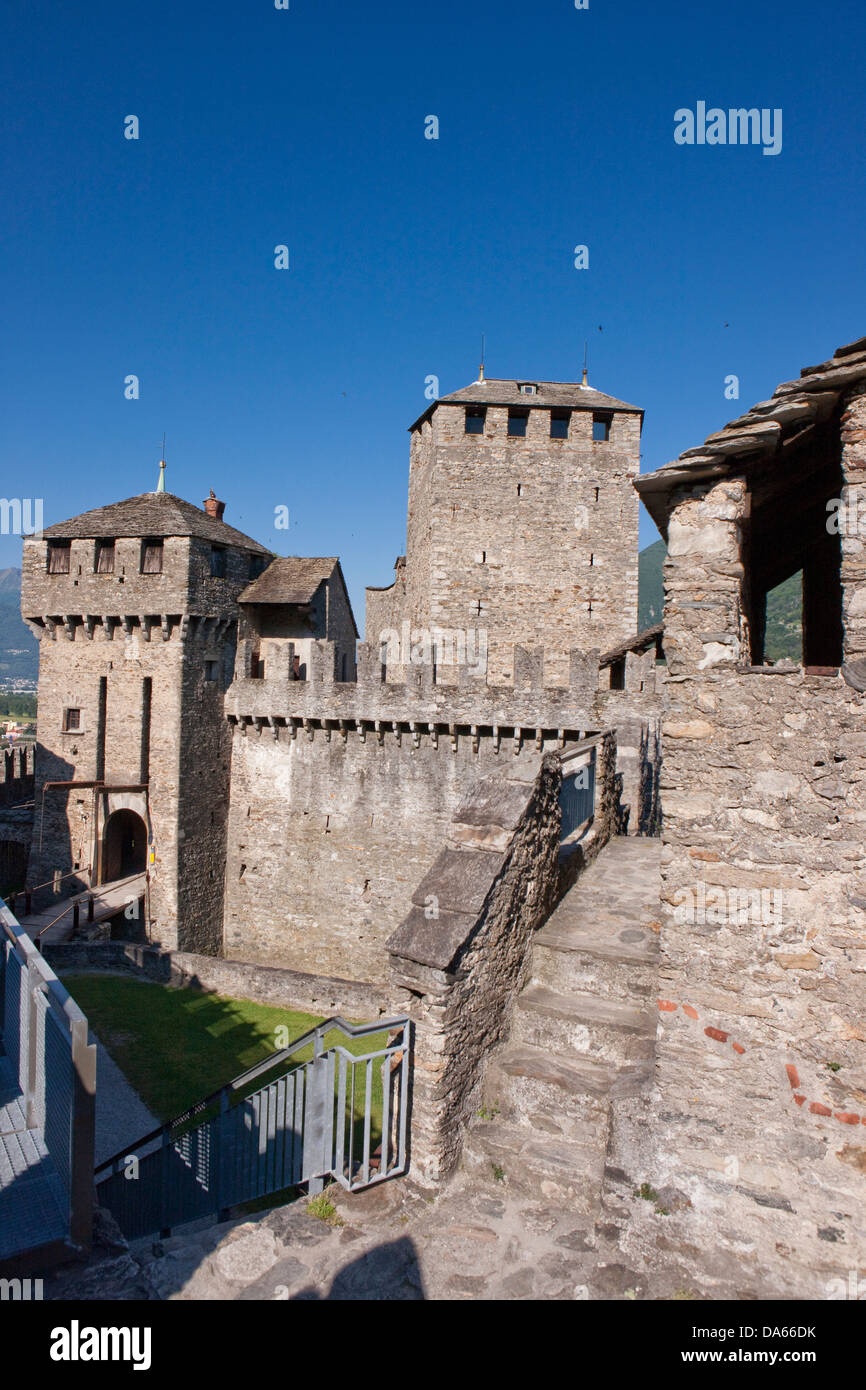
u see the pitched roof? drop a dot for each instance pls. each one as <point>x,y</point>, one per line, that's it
<point>764,433</point>
<point>570,394</point>
<point>289,579</point>
<point>294,579</point>
<point>152,514</point>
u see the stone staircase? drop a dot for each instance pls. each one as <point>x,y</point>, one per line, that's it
<point>583,1034</point>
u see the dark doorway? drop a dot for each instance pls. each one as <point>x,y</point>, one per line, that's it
<point>125,846</point>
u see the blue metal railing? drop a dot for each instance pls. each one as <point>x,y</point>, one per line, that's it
<point>318,1119</point>
<point>577,796</point>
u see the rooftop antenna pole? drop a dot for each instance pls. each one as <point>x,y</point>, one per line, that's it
<point>585,349</point>
<point>481,368</point>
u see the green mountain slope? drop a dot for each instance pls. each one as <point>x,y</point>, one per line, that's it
<point>784,606</point>
<point>19,650</point>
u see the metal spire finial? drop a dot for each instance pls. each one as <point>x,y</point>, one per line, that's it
<point>160,487</point>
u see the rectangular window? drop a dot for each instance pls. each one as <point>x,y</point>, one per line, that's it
<point>211,670</point>
<point>218,561</point>
<point>151,557</point>
<point>601,428</point>
<point>58,557</point>
<point>559,424</point>
<point>517,422</point>
<point>527,389</point>
<point>104,561</point>
<point>71,721</point>
<point>474,423</point>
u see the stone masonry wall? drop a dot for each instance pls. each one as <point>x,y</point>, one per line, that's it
<point>761,1081</point>
<point>533,529</point>
<point>458,956</point>
<point>328,837</point>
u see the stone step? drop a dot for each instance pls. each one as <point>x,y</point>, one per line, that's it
<point>525,1161</point>
<point>524,1081</point>
<point>627,944</point>
<point>599,975</point>
<point>603,1028</point>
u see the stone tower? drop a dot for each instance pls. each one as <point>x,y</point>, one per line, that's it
<point>135,608</point>
<point>523,522</point>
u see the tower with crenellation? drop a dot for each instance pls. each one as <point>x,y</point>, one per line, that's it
<point>135,608</point>
<point>522,523</point>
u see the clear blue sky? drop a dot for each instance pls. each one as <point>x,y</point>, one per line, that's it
<point>260,127</point>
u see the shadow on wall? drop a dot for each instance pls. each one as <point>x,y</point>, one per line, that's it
<point>52,847</point>
<point>649,800</point>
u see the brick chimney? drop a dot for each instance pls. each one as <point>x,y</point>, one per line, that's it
<point>214,507</point>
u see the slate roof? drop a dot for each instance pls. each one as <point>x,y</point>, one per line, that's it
<point>570,394</point>
<point>639,643</point>
<point>764,434</point>
<point>152,514</point>
<point>294,579</point>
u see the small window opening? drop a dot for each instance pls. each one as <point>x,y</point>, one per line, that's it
<point>517,423</point>
<point>591,559</point>
<point>601,428</point>
<point>527,389</point>
<point>617,674</point>
<point>519,489</point>
<point>218,561</point>
<point>559,420</point>
<point>474,421</point>
<point>211,670</point>
<point>596,494</point>
<point>58,557</point>
<point>151,557</point>
<point>71,721</point>
<point>104,561</point>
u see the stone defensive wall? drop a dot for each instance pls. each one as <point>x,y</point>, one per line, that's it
<point>342,794</point>
<point>17,775</point>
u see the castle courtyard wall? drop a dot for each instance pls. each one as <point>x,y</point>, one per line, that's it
<point>761,1080</point>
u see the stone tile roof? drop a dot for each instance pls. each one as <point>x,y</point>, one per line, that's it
<point>152,514</point>
<point>548,394</point>
<point>290,579</point>
<point>294,579</point>
<point>639,643</point>
<point>762,433</point>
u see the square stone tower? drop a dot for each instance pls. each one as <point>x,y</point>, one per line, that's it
<point>522,524</point>
<point>135,608</point>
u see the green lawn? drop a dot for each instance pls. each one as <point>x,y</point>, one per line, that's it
<point>175,1046</point>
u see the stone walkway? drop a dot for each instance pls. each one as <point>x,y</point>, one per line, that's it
<point>534,1212</point>
<point>54,923</point>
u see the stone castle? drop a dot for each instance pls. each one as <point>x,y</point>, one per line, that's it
<point>403,815</point>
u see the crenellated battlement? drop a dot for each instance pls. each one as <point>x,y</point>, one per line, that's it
<point>17,774</point>
<point>421,700</point>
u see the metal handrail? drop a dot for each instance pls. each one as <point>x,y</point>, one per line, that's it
<point>88,893</point>
<point>49,883</point>
<point>314,1035</point>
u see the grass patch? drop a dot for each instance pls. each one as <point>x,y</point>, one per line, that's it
<point>176,1046</point>
<point>324,1210</point>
